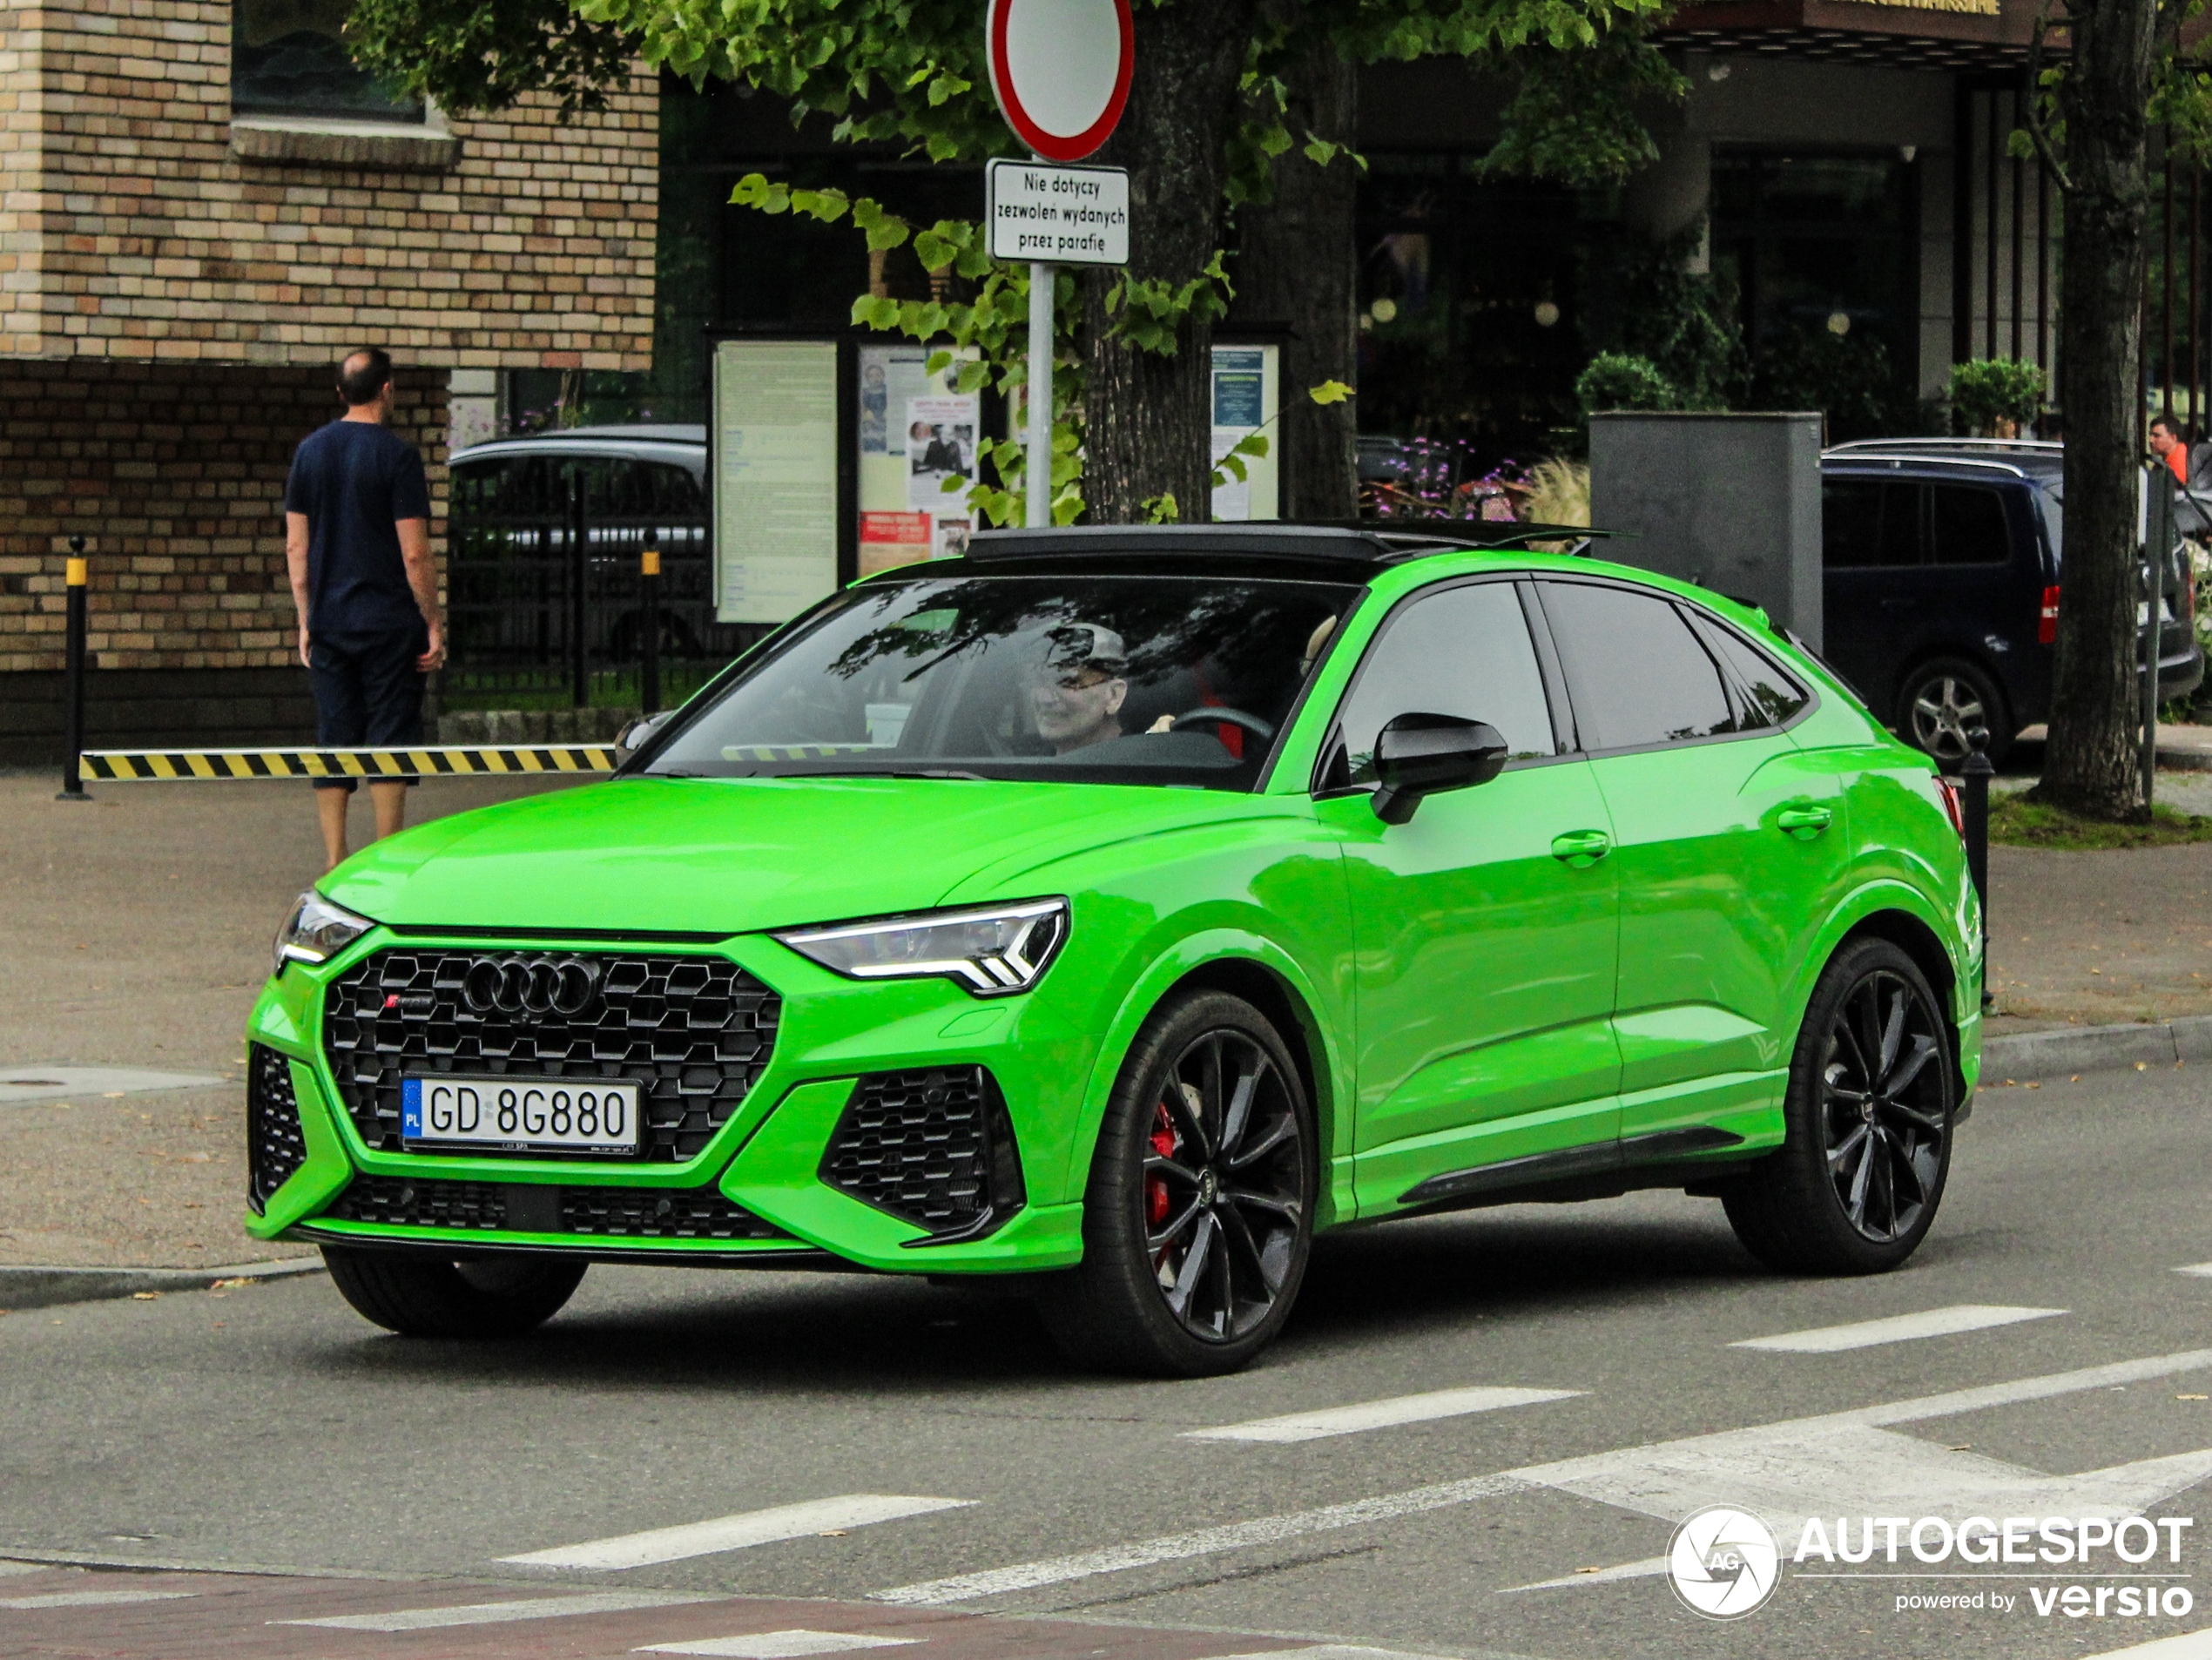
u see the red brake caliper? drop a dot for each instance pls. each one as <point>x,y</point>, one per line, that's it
<point>1156,1187</point>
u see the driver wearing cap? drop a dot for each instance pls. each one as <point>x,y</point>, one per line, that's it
<point>1077,687</point>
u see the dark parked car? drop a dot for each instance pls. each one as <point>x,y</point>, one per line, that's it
<point>1942,586</point>
<point>543,558</point>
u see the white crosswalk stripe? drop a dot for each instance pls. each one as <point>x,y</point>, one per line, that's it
<point>737,1532</point>
<point>529,1607</point>
<point>2201,1270</point>
<point>1802,1465</point>
<point>1900,1328</point>
<point>1379,1415</point>
<point>781,1645</point>
<point>92,1599</point>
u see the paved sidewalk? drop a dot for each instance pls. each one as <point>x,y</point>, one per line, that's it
<point>134,932</point>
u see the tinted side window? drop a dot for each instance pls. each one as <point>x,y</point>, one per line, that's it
<point>1464,651</point>
<point>1870,522</point>
<point>1850,523</point>
<point>1635,674</point>
<point>1769,697</point>
<point>1967,526</point>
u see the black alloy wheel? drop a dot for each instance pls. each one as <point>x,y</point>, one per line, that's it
<point>1882,1115</point>
<point>1224,1186</point>
<point>1198,1216</point>
<point>1873,1096</point>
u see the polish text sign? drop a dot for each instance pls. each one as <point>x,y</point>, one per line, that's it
<point>1063,215</point>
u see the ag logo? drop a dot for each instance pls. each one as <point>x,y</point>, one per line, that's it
<point>1723,1563</point>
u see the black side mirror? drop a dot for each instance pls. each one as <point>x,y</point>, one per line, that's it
<point>1418,755</point>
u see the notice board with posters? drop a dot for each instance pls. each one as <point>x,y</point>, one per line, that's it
<point>918,437</point>
<point>1246,394</point>
<point>773,448</point>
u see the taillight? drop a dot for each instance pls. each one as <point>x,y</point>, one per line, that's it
<point>2046,622</point>
<point>1954,805</point>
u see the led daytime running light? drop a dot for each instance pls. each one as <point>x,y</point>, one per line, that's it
<point>990,952</point>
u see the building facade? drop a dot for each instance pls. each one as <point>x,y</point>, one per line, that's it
<point>202,207</point>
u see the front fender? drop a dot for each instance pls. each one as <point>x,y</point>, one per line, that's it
<point>1175,958</point>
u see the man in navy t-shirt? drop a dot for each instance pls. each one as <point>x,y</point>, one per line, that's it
<point>357,538</point>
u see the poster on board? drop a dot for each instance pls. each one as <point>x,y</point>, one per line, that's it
<point>1246,394</point>
<point>917,433</point>
<point>775,477</point>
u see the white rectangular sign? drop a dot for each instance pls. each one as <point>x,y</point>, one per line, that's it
<point>1063,215</point>
<point>775,477</point>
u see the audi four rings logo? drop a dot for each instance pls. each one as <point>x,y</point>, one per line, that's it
<point>534,986</point>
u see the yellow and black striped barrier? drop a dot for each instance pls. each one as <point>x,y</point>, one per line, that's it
<point>455,760</point>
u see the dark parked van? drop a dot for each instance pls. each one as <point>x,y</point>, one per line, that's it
<point>1941,601</point>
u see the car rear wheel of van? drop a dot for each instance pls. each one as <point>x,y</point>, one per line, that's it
<point>1198,1216</point>
<point>1873,1091</point>
<point>1943,700</point>
<point>418,1294</point>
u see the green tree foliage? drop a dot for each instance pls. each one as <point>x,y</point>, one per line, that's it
<point>480,56</point>
<point>911,73</point>
<point>1991,389</point>
<point>1652,304</point>
<point>1624,381</point>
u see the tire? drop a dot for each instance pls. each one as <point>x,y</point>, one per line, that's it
<point>417,1294</point>
<point>1944,699</point>
<point>1187,1189</point>
<point>1855,1185</point>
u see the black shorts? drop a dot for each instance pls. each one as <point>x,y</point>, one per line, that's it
<point>367,693</point>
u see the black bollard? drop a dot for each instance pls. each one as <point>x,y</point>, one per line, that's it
<point>73,676</point>
<point>1976,772</point>
<point>649,597</point>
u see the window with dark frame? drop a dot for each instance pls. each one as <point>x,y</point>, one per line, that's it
<point>290,58</point>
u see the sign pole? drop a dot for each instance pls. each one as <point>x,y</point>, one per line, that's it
<point>1038,465</point>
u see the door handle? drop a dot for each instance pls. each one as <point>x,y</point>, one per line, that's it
<point>1805,820</point>
<point>1581,849</point>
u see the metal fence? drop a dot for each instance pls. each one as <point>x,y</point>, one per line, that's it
<point>544,591</point>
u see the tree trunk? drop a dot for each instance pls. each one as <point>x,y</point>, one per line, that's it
<point>1147,417</point>
<point>2090,766</point>
<point>1296,270</point>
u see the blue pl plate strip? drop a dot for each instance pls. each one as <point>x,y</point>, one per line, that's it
<point>411,1108</point>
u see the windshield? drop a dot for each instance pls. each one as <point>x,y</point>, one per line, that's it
<point>1136,679</point>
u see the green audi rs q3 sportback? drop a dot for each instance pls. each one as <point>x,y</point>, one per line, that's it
<point>1119,909</point>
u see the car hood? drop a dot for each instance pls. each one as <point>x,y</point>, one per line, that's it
<point>736,856</point>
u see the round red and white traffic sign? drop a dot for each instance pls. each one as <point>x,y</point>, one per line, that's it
<point>1060,70</point>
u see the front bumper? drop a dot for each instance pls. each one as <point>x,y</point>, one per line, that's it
<point>754,1190</point>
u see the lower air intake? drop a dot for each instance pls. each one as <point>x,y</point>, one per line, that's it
<point>275,1144</point>
<point>933,1147</point>
<point>537,1207</point>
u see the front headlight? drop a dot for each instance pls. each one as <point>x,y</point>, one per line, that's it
<point>991,953</point>
<point>316,931</point>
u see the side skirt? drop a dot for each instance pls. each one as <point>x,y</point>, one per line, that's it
<point>1576,1173</point>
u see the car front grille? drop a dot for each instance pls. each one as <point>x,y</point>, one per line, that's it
<point>520,1207</point>
<point>694,1032</point>
<point>933,1147</point>
<point>275,1144</point>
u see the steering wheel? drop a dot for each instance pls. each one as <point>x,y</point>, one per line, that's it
<point>1224,717</point>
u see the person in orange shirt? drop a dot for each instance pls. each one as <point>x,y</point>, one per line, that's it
<point>2166,444</point>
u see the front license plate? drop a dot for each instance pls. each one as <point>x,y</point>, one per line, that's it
<point>520,1115</point>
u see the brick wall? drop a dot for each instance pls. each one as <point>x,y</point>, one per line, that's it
<point>132,226</point>
<point>175,475</point>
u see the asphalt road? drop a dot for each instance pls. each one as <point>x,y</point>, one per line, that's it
<point>270,1427</point>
